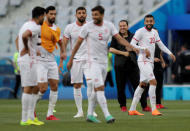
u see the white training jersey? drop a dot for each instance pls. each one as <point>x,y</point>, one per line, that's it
<point>72,33</point>
<point>97,38</point>
<point>146,40</point>
<point>32,41</point>
<point>44,54</point>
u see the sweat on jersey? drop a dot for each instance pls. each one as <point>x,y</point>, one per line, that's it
<point>146,40</point>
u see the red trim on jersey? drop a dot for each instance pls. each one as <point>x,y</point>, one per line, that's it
<point>157,40</point>
<point>65,37</point>
<point>135,39</point>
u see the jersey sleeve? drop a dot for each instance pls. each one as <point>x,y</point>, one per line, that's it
<point>67,32</point>
<point>161,45</point>
<point>135,40</point>
<point>114,31</point>
<point>84,31</point>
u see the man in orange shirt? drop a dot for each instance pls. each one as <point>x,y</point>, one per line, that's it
<point>47,70</point>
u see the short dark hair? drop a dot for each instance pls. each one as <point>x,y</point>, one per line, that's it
<point>37,11</point>
<point>50,8</point>
<point>80,8</point>
<point>99,8</point>
<point>124,21</point>
<point>149,16</point>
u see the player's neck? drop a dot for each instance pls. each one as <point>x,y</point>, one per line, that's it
<point>124,35</point>
<point>36,21</point>
<point>80,23</point>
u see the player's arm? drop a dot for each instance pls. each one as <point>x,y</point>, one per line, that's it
<point>162,61</point>
<point>25,36</point>
<point>118,52</point>
<point>123,42</point>
<point>74,51</point>
<point>16,43</point>
<point>63,54</point>
<point>165,49</point>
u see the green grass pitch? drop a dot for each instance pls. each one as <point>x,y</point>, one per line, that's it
<point>175,118</point>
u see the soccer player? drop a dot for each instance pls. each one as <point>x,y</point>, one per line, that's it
<point>27,40</point>
<point>96,34</point>
<point>47,70</point>
<point>147,37</point>
<point>71,34</point>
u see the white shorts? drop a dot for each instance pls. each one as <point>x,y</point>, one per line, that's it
<point>146,71</point>
<point>47,70</point>
<point>98,73</point>
<point>28,72</point>
<point>79,68</point>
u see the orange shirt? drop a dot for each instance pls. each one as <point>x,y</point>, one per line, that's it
<point>49,36</point>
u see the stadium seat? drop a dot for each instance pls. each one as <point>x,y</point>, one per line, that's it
<point>15,2</point>
<point>3,7</point>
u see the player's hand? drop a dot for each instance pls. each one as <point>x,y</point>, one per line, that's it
<point>156,60</point>
<point>147,52</point>
<point>69,64</point>
<point>24,52</point>
<point>126,53</point>
<point>173,57</point>
<point>38,53</point>
<point>136,50</point>
<point>63,56</point>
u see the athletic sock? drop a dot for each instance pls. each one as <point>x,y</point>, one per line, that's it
<point>152,95</point>
<point>33,105</point>
<point>136,98</point>
<point>30,104</point>
<point>102,102</point>
<point>52,102</point>
<point>25,106</point>
<point>78,99</point>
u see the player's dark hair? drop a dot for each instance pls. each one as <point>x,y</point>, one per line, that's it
<point>80,8</point>
<point>37,11</point>
<point>124,21</point>
<point>149,16</point>
<point>99,8</point>
<point>50,8</point>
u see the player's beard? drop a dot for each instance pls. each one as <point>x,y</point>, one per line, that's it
<point>97,21</point>
<point>149,26</point>
<point>51,21</point>
<point>81,20</point>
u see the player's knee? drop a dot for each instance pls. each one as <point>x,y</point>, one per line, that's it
<point>35,90</point>
<point>43,87</point>
<point>101,88</point>
<point>28,90</point>
<point>153,82</point>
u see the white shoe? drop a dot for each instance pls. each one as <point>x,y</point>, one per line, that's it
<point>79,115</point>
<point>94,114</point>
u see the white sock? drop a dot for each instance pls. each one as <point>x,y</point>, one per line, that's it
<point>52,102</point>
<point>152,95</point>
<point>25,106</point>
<point>40,95</point>
<point>136,98</point>
<point>102,102</point>
<point>78,99</point>
<point>33,105</point>
<point>91,102</point>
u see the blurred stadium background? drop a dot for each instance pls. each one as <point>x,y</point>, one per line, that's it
<point>172,22</point>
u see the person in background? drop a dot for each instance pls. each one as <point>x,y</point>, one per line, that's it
<point>17,74</point>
